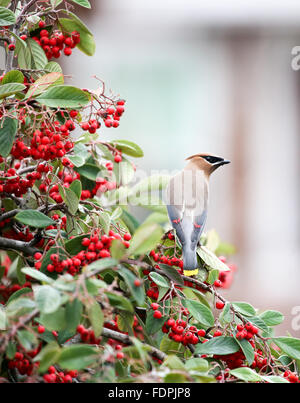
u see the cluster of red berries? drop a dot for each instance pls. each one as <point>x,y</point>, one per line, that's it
<point>87,335</point>
<point>15,184</point>
<point>260,361</point>
<point>55,376</point>
<point>96,247</point>
<point>247,331</point>
<point>91,126</point>
<point>7,290</point>
<point>181,332</point>
<point>292,377</point>
<point>23,362</point>
<point>113,114</point>
<point>48,143</point>
<point>103,185</point>
<point>54,44</point>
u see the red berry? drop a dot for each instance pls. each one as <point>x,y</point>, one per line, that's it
<point>137,282</point>
<point>11,47</point>
<point>220,305</point>
<point>68,51</point>
<point>154,306</point>
<point>42,24</point>
<point>41,329</point>
<point>118,158</point>
<point>157,315</point>
<point>127,236</point>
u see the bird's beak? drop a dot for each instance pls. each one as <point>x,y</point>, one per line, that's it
<point>220,163</point>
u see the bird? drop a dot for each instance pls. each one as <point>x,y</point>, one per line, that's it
<point>187,204</point>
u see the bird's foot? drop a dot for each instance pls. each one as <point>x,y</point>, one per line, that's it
<point>176,221</point>
<point>197,225</point>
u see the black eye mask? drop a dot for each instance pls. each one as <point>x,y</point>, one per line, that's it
<point>211,159</point>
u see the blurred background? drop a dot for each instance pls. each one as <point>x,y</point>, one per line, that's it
<point>215,77</point>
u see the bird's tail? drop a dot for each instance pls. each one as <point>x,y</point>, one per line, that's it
<point>190,263</point>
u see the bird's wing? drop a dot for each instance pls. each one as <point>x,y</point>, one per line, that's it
<point>187,197</point>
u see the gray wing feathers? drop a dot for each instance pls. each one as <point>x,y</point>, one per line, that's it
<point>187,197</point>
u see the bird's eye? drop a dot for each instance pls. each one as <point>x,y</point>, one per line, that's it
<point>211,159</point>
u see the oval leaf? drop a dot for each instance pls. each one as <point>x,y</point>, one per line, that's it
<point>34,218</point>
<point>63,96</point>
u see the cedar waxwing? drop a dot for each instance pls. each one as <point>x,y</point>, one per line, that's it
<point>187,202</point>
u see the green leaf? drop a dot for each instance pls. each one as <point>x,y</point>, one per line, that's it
<point>70,198</point>
<point>47,298</point>
<point>289,345</point>
<point>102,264</point>
<point>213,276</point>
<point>244,308</point>
<point>138,293</point>
<point>9,89</point>
<point>43,83</point>
<point>145,238</point>
<point>83,3</point>
<point>221,345</point>
<point>168,346</point>
<point>73,314</point>
<point>128,147</point>
<point>246,374</point>
<point>63,96</point>
<point>13,76</point>
<point>173,362</point>
<point>119,302</point>
<point>196,364</point>
<point>4,3</point>
<point>55,321</point>
<point>172,274</point>
<point>34,218</point>
<point>153,325</point>
<point>53,67</point>
<point>2,318</point>
<point>87,42</point>
<point>77,357</point>
<point>257,321</point>
<point>18,294</point>
<point>247,350</point>
<point>89,171</point>
<point>272,318</point>
<point>37,275</point>
<point>27,339</point>
<point>130,221</point>
<point>20,306</point>
<point>7,17</point>
<point>96,317</point>
<point>24,54</point>
<point>47,356</point>
<point>211,260</point>
<point>8,131</point>
<point>274,379</point>
<point>200,312</point>
<point>39,59</point>
<point>76,187</point>
<point>159,280</point>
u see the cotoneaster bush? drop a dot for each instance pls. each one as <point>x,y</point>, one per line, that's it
<point>87,292</point>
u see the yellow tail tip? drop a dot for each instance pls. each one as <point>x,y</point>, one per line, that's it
<point>190,272</point>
